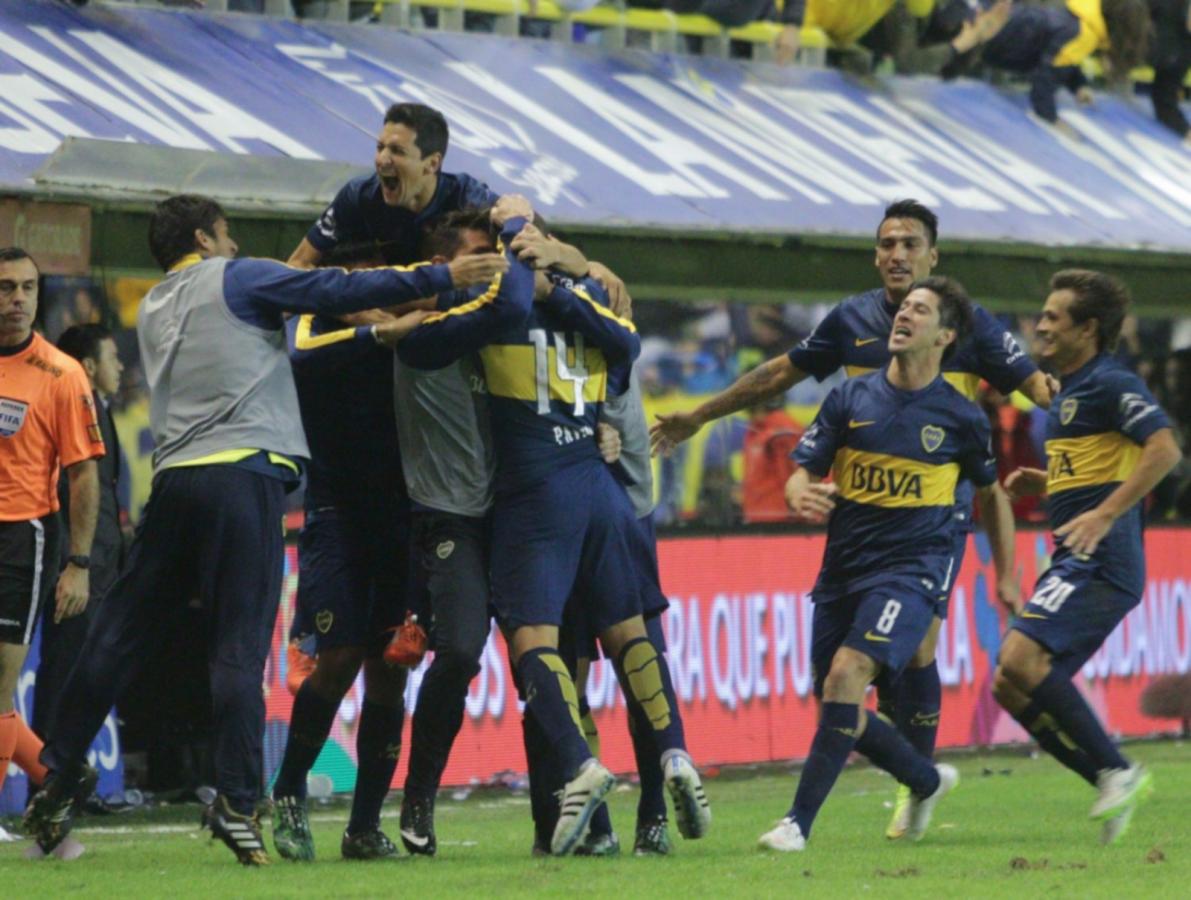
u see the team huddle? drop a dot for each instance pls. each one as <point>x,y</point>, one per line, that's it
<point>458,388</point>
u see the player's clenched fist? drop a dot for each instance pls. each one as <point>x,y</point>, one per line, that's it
<point>813,502</point>
<point>478,269</point>
<point>1025,482</point>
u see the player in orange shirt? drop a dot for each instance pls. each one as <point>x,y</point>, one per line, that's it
<point>47,421</point>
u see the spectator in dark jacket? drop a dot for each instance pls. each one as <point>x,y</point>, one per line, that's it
<point>95,348</point>
<point>1170,55</point>
<point>1049,44</point>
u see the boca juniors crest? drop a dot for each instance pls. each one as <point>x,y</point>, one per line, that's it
<point>12,416</point>
<point>932,438</point>
<point>1067,410</point>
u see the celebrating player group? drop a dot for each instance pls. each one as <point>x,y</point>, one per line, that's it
<point>457,387</point>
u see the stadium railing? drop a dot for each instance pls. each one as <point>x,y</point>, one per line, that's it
<point>666,30</point>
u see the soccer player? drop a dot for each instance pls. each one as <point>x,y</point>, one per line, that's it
<point>449,465</point>
<point>561,522</point>
<point>227,429</point>
<point>1108,444</point>
<point>47,422</point>
<point>854,336</point>
<point>896,442</point>
<point>383,214</point>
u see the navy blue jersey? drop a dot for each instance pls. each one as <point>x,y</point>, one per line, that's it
<point>345,392</point>
<point>855,336</point>
<point>548,365</point>
<point>896,457</point>
<point>358,217</point>
<point>1094,432</point>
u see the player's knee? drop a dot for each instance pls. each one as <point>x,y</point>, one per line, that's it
<point>1022,663</point>
<point>337,670</point>
<point>1002,688</point>
<point>850,674</point>
<point>462,662</point>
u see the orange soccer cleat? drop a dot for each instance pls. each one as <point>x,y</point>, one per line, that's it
<point>408,645</point>
<point>299,665</point>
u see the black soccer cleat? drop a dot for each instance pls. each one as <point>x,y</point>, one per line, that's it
<point>368,845</point>
<point>50,814</point>
<point>417,826</point>
<point>240,833</point>
<point>653,838</point>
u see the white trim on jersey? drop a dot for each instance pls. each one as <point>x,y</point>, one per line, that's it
<point>38,565</point>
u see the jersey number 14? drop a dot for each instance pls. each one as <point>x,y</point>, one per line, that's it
<point>576,374</point>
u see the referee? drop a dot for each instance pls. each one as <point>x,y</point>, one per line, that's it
<point>224,416</point>
<point>47,420</point>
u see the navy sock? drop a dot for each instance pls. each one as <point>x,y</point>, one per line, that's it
<point>651,805</point>
<point>834,740</point>
<point>919,696</point>
<point>889,750</point>
<point>645,679</point>
<point>1054,741</point>
<point>544,779</point>
<point>378,747</point>
<point>1058,697</point>
<point>309,724</point>
<point>551,699</point>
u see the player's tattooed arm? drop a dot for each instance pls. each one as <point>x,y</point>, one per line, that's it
<point>766,381</point>
<point>997,516</point>
<point>1159,455</point>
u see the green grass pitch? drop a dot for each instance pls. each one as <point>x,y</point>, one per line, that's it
<point>1015,827</point>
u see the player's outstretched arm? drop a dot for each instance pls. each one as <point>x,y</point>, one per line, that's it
<point>584,308</point>
<point>997,516</point>
<point>768,380</point>
<point>1159,454</point>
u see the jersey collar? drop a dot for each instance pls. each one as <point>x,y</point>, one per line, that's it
<point>190,259</point>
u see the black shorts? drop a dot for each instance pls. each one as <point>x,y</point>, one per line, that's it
<point>28,573</point>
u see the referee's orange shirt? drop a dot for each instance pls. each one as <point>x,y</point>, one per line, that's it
<point>47,420</point>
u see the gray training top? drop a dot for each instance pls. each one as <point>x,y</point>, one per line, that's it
<point>215,382</point>
<point>446,444</point>
<point>626,414</point>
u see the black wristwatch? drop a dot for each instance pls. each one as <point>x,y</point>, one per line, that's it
<point>79,562</point>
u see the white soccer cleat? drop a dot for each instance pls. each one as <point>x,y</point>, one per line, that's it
<point>1120,789</point>
<point>692,813</point>
<point>900,822</point>
<point>580,798</point>
<point>785,837</point>
<point>922,808</point>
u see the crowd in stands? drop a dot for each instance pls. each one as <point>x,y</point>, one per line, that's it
<point>1050,44</point>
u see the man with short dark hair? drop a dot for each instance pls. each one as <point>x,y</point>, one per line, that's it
<point>47,425</point>
<point>1108,444</point>
<point>382,214</point>
<point>853,337</point>
<point>897,443</point>
<point>95,349</point>
<point>228,434</point>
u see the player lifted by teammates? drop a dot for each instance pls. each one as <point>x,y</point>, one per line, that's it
<point>853,336</point>
<point>897,443</point>
<point>1108,444</point>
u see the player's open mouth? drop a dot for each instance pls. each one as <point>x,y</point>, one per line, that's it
<point>390,182</point>
<point>901,331</point>
<point>900,272</point>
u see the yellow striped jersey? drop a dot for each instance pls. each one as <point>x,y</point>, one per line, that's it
<point>896,457</point>
<point>854,336</point>
<point>1094,431</point>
